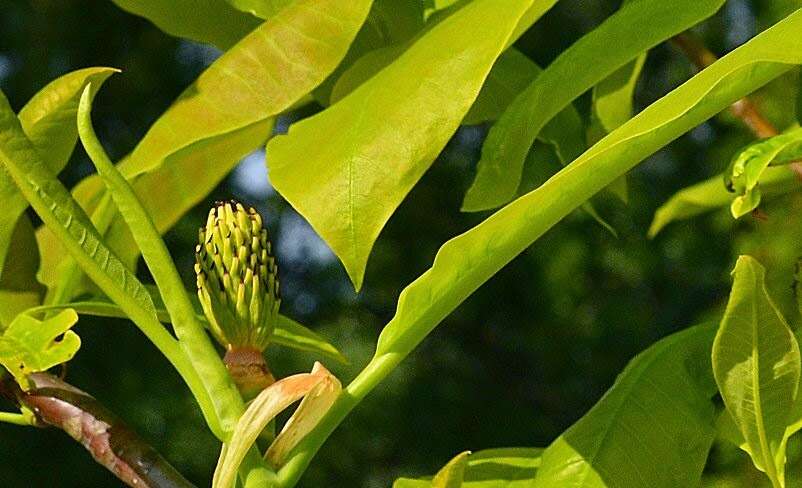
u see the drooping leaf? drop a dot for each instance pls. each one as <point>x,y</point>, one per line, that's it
<point>320,385</point>
<point>390,24</point>
<point>711,194</point>
<point>211,21</point>
<point>653,428</point>
<point>756,363</point>
<point>288,332</point>
<point>635,28</point>
<point>492,468</point>
<point>31,346</point>
<point>48,120</point>
<point>465,262</point>
<point>223,116</point>
<point>750,164</point>
<point>384,135</point>
<point>313,407</point>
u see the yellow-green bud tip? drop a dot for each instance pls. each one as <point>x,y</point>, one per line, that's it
<point>237,276</point>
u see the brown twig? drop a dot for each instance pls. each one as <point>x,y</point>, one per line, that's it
<point>744,109</point>
<point>111,443</point>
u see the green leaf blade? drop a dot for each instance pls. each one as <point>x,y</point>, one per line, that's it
<point>224,115</point>
<point>510,467</point>
<point>348,188</point>
<point>48,119</point>
<point>30,346</point>
<point>756,363</point>
<point>635,28</point>
<point>209,21</point>
<point>661,405</point>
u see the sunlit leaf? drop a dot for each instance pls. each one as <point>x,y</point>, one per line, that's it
<point>653,428</point>
<point>30,346</point>
<point>756,363</point>
<point>452,474</point>
<point>223,116</point>
<point>384,135</point>
<point>48,120</point>
<point>510,467</point>
<point>212,21</point>
<point>749,166</point>
<point>635,28</point>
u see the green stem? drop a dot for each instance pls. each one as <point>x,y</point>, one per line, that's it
<point>15,418</point>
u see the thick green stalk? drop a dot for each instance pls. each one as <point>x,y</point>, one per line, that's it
<point>15,418</point>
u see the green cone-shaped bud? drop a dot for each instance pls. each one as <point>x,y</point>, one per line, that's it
<point>237,279</point>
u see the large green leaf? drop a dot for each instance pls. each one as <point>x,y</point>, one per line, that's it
<point>48,120</point>
<point>652,429</point>
<point>491,468</point>
<point>224,115</point>
<point>633,29</point>
<point>749,165</point>
<point>30,346</point>
<point>212,21</point>
<point>465,262</point>
<point>756,363</point>
<point>384,135</point>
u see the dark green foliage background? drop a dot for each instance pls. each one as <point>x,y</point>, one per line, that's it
<point>514,366</point>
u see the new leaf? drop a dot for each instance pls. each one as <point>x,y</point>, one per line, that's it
<point>30,346</point>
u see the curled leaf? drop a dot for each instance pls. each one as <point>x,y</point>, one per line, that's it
<point>318,389</point>
<point>748,167</point>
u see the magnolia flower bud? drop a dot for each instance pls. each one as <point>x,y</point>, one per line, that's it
<point>238,287</point>
<point>237,280</point>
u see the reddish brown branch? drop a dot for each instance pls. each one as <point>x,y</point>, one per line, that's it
<point>108,440</point>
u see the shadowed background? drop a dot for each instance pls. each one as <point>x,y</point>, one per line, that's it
<point>515,365</point>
